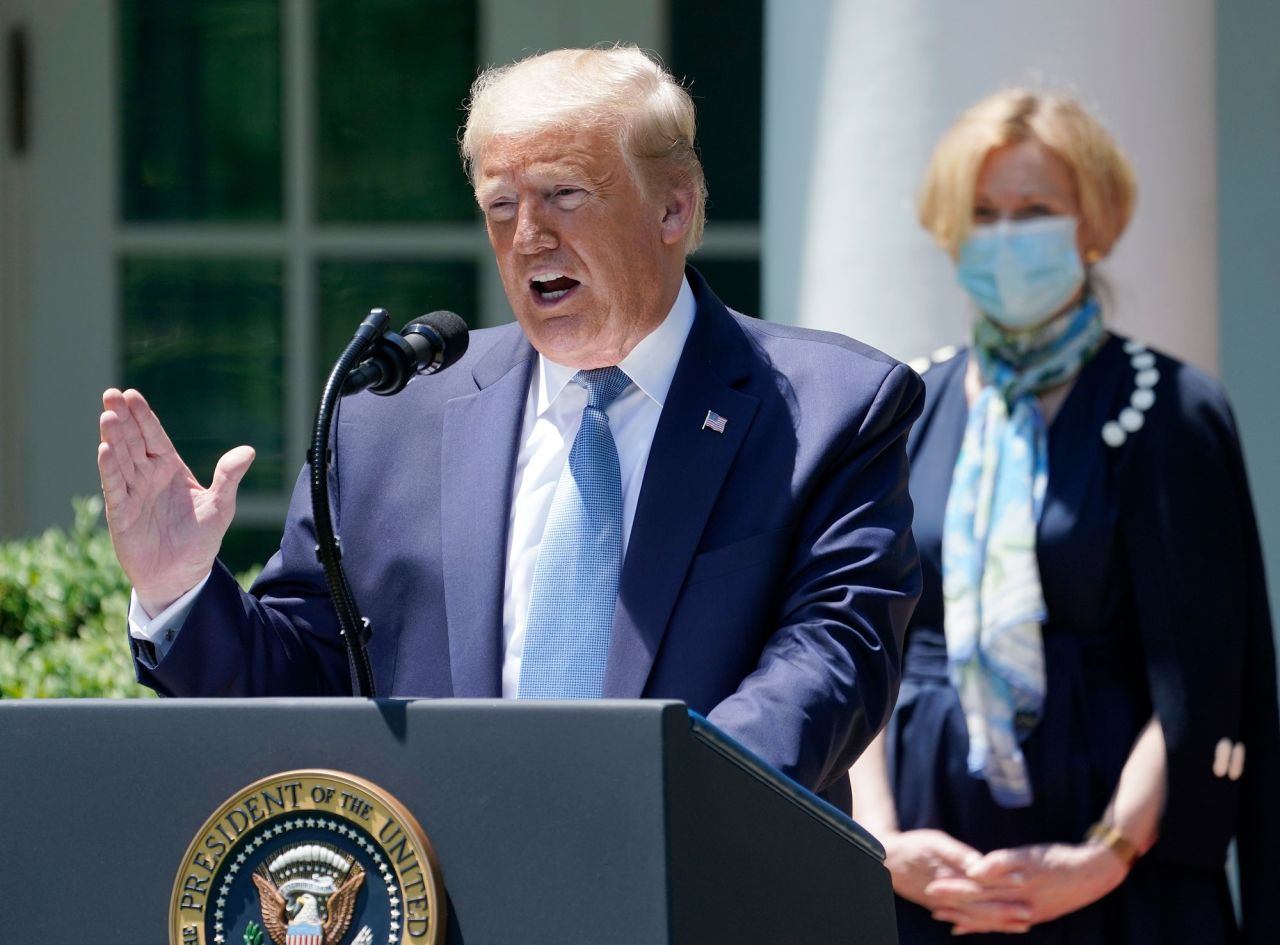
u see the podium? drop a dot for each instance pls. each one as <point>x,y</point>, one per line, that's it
<point>601,823</point>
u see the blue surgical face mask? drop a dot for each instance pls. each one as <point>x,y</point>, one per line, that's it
<point>1021,272</point>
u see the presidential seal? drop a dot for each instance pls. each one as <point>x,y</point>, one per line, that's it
<point>309,857</point>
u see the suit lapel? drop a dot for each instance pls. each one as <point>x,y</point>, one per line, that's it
<point>481,437</point>
<point>687,465</point>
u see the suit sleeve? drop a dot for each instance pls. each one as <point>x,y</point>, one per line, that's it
<point>828,676</point>
<point>1201,601</point>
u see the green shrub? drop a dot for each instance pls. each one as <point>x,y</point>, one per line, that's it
<point>63,613</point>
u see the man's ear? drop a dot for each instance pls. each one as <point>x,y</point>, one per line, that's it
<point>677,216</point>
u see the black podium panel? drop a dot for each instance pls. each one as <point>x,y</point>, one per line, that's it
<point>601,823</point>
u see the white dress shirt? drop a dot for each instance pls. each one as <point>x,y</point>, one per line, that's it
<point>552,415</point>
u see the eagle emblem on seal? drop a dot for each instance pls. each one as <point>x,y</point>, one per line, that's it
<point>308,894</point>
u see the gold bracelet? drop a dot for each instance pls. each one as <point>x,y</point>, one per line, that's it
<point>1113,838</point>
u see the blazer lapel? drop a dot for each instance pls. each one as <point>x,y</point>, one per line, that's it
<point>687,465</point>
<point>481,436</point>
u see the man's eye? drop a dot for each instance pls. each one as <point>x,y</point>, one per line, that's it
<point>501,210</point>
<point>568,197</point>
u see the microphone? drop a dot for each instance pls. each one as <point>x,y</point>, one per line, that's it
<point>428,344</point>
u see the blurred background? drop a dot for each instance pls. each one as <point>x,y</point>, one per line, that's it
<point>202,198</point>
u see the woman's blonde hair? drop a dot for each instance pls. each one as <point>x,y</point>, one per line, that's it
<point>1105,184</point>
<point>618,88</point>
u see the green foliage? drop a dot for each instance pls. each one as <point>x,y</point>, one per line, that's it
<point>63,613</point>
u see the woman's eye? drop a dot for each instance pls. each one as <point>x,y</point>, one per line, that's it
<point>1033,210</point>
<point>983,214</point>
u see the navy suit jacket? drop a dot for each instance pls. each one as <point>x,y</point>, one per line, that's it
<point>768,579</point>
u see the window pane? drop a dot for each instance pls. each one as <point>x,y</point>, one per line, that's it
<point>200,107</point>
<point>735,281</point>
<point>720,58</point>
<point>406,288</point>
<point>392,78</point>
<point>203,342</point>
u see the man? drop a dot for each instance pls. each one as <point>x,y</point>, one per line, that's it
<point>631,492</point>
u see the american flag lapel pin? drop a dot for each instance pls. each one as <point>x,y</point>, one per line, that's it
<point>714,422</point>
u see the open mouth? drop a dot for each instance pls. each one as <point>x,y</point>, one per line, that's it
<point>552,286</point>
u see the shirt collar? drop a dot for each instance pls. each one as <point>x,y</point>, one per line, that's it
<point>651,365</point>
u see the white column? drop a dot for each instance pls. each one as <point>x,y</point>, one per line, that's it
<point>69,345</point>
<point>857,93</point>
<point>13,217</point>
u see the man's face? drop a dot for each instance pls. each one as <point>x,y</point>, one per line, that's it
<point>590,263</point>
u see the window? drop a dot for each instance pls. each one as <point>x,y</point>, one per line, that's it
<point>286,165</point>
<point>284,168</point>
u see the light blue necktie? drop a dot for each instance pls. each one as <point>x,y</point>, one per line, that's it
<point>575,582</point>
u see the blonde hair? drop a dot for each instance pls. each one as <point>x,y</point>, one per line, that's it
<point>620,89</point>
<point>1105,183</point>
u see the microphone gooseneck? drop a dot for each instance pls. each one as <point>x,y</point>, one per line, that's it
<point>426,345</point>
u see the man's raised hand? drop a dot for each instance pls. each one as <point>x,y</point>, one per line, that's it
<point>165,526</point>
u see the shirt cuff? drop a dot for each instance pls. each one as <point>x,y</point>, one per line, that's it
<point>162,629</point>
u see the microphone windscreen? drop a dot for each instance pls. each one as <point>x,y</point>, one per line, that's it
<point>449,329</point>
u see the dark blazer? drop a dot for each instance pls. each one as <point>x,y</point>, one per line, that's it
<point>768,580</point>
<point>1153,578</point>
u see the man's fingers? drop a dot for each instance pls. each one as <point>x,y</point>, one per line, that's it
<point>114,486</point>
<point>113,399</point>
<point>124,431</point>
<point>230,470</point>
<point>112,433</point>
<point>156,440</point>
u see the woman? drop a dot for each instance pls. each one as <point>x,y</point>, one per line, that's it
<point>1092,652</point>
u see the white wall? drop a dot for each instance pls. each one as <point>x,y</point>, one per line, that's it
<point>57,300</point>
<point>12,215</point>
